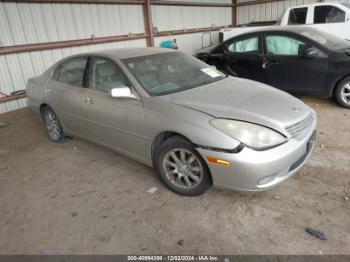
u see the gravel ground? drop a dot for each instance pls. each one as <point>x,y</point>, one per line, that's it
<point>79,198</point>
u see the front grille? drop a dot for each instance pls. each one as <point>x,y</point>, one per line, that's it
<point>298,130</point>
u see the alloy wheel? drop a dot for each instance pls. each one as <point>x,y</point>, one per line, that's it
<point>53,126</point>
<point>345,93</point>
<point>183,168</point>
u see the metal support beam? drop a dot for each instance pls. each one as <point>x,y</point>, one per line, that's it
<point>98,40</point>
<point>68,43</point>
<point>256,2</point>
<point>11,98</point>
<point>147,18</point>
<point>234,13</point>
<point>117,2</point>
<point>188,31</point>
<point>204,4</point>
<point>143,2</point>
<point>180,3</point>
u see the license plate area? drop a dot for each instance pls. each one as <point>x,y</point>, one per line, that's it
<point>309,145</point>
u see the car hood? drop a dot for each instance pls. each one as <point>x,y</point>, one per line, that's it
<point>246,100</point>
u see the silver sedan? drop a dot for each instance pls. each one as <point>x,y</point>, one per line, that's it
<point>196,126</point>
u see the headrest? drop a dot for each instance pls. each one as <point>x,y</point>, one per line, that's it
<point>105,69</point>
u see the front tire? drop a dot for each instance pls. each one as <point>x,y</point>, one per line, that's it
<point>181,168</point>
<point>342,93</point>
<point>53,126</point>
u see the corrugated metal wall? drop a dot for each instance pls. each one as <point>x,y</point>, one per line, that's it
<point>167,18</point>
<point>270,11</point>
<point>179,17</point>
<point>24,23</point>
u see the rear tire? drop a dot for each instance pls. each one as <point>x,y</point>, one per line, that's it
<point>342,92</point>
<point>53,126</point>
<point>181,168</point>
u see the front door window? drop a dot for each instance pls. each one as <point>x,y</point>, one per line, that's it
<point>285,45</point>
<point>106,75</point>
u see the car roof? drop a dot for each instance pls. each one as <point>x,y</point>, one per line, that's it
<point>128,52</point>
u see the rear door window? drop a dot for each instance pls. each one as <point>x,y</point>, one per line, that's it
<point>297,16</point>
<point>71,72</point>
<point>328,14</point>
<point>248,44</point>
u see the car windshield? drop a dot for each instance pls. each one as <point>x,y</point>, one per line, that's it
<point>171,72</point>
<point>328,40</point>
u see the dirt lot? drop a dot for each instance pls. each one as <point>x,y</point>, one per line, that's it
<point>79,198</point>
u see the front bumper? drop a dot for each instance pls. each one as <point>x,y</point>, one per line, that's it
<point>252,170</point>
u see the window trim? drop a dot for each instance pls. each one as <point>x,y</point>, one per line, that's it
<point>58,67</point>
<point>90,67</point>
<point>237,38</point>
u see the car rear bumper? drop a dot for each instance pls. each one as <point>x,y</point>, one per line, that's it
<point>252,170</point>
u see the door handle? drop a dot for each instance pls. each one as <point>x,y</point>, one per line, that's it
<point>49,91</point>
<point>267,63</point>
<point>89,100</point>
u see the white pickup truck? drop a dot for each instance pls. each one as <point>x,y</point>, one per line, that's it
<point>330,17</point>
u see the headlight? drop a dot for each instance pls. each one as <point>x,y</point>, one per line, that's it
<point>252,135</point>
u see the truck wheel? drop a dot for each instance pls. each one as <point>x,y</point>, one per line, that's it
<point>342,93</point>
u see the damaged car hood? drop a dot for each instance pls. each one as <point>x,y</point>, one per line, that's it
<point>242,99</point>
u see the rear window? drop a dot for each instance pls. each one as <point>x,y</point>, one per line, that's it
<point>297,16</point>
<point>326,14</point>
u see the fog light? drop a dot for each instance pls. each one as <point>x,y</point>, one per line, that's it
<point>266,180</point>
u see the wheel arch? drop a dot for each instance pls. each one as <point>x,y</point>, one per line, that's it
<point>335,85</point>
<point>160,138</point>
<point>42,107</point>
<point>163,136</point>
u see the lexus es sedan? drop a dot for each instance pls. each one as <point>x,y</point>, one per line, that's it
<point>193,124</point>
<point>297,59</point>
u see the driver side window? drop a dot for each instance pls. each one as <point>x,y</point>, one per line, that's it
<point>105,75</point>
<point>285,45</point>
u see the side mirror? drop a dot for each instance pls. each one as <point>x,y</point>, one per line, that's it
<point>121,92</point>
<point>307,51</point>
<point>303,50</point>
